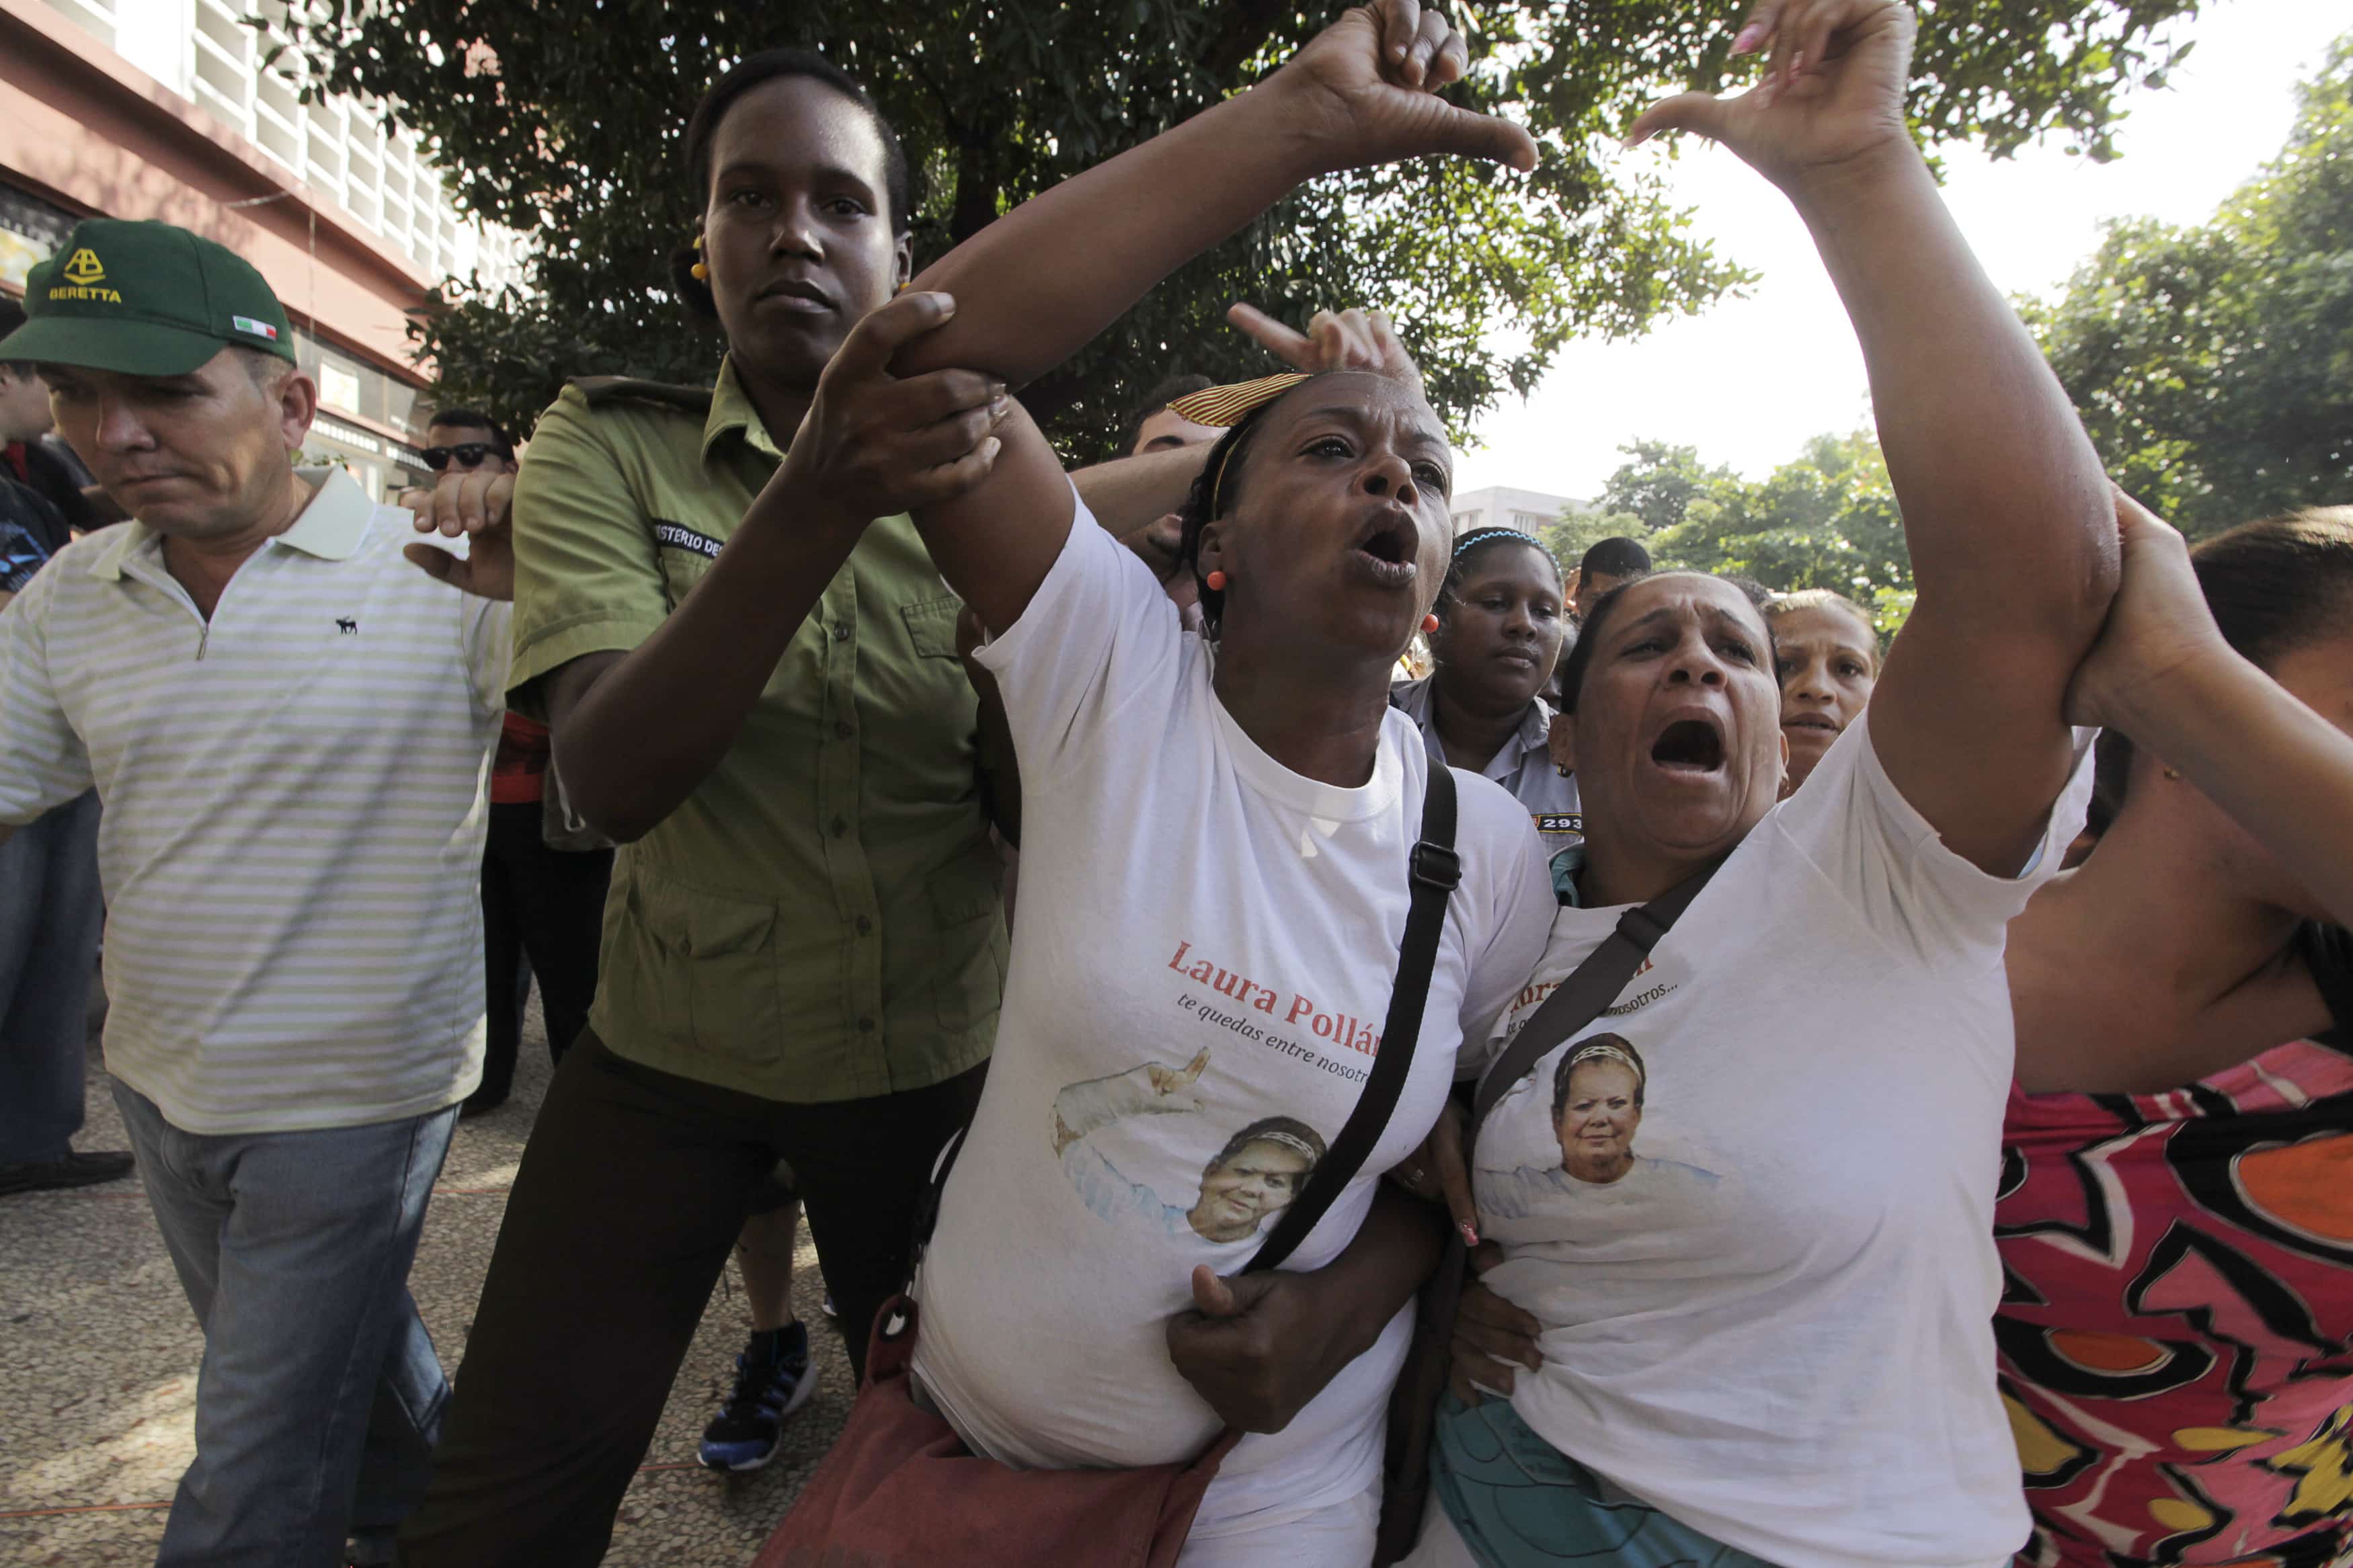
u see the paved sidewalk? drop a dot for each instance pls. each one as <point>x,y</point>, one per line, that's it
<point>98,1364</point>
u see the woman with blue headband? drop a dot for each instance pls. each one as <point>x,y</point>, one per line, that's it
<point>1501,623</point>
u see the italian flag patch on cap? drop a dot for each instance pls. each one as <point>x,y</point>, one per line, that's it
<point>259,328</point>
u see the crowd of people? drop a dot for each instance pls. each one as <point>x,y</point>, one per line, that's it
<point>1883,1101</point>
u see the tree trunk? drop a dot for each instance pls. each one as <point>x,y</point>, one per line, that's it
<point>975,191</point>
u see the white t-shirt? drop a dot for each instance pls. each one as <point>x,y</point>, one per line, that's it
<point>1199,977</point>
<point>294,792</point>
<point>1775,1321</point>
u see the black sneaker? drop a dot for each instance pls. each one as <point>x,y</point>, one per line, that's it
<point>772,1381</point>
<point>76,1170</point>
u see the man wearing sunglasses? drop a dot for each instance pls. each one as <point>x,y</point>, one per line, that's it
<point>466,440</point>
<point>543,908</point>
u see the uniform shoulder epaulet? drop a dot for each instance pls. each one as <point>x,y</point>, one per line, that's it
<point>603,390</point>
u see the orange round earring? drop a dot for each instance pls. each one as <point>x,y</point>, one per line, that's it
<point>1214,582</point>
<point>1429,623</point>
<point>698,272</point>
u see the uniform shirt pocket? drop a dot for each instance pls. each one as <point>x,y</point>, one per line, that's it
<point>720,957</point>
<point>932,623</point>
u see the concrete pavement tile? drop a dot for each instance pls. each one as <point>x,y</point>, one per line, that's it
<point>99,1354</point>
<point>125,1538</point>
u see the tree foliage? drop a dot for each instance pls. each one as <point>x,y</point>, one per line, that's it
<point>1826,520</point>
<point>565,123</point>
<point>1579,529</point>
<point>2213,364</point>
<point>1660,483</point>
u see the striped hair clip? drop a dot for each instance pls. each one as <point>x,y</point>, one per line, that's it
<point>1223,407</point>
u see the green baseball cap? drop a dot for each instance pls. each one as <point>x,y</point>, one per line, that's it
<point>144,299</point>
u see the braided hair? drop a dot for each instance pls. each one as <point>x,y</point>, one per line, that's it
<point>1215,489</point>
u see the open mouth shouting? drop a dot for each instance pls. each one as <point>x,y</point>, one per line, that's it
<point>1690,748</point>
<point>1383,553</point>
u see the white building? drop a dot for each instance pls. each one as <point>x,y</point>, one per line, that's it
<point>1530,512</point>
<point>204,51</point>
<point>170,110</point>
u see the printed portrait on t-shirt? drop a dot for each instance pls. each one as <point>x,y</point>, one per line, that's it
<point>1251,1176</point>
<point>1599,1087</point>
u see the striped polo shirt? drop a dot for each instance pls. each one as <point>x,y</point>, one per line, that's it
<point>294,803</point>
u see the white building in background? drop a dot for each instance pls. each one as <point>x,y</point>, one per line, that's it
<point>1530,512</point>
<point>163,109</point>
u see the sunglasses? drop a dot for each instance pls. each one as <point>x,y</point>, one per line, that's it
<point>468,456</point>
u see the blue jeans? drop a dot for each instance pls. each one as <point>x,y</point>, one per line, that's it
<point>50,910</point>
<point>320,1396</point>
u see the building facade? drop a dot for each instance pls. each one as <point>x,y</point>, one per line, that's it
<point>164,108</point>
<point>1530,512</point>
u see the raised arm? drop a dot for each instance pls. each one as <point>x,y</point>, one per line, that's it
<point>2163,675</point>
<point>1041,281</point>
<point>1037,284</point>
<point>2005,507</point>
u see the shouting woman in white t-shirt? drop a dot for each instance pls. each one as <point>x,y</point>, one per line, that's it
<point>1214,858</point>
<point>1792,1363</point>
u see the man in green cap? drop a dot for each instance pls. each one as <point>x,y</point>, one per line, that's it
<point>288,725</point>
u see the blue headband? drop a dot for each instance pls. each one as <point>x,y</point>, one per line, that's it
<point>1478,536</point>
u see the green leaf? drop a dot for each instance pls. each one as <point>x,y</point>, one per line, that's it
<point>567,130</point>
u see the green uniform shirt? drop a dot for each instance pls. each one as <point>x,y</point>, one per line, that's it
<point>820,919</point>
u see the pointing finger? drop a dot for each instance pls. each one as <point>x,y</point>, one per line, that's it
<point>1700,112</point>
<point>1469,134</point>
<point>1285,343</point>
